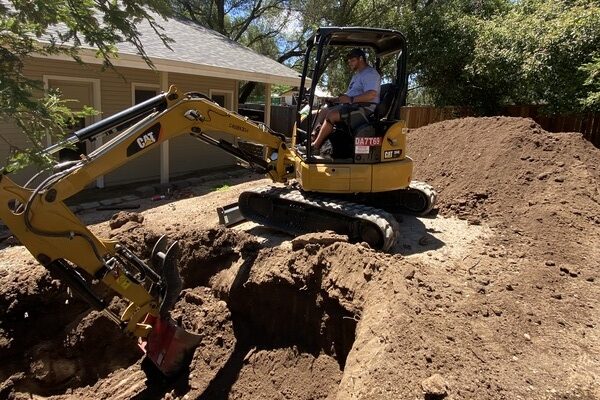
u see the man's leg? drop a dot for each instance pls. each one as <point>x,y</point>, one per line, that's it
<point>320,118</point>
<point>332,117</point>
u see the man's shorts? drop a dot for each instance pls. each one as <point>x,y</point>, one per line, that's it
<point>355,115</point>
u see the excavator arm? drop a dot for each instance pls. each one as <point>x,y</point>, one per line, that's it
<point>42,222</point>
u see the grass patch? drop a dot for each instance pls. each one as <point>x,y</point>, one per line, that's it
<point>222,188</point>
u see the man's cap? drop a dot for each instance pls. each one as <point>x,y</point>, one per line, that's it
<point>355,53</point>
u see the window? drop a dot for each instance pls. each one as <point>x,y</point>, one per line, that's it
<point>224,98</point>
<point>72,154</point>
<point>219,99</point>
<point>82,91</point>
<point>141,94</point>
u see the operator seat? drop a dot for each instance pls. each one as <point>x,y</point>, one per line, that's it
<point>342,138</point>
<point>387,93</point>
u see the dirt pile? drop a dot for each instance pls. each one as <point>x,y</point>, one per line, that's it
<point>513,175</point>
<point>502,307</point>
<point>45,331</point>
<point>272,320</point>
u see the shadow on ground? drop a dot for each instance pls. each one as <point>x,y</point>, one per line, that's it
<point>414,236</point>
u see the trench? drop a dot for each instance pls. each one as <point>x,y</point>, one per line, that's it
<point>85,347</point>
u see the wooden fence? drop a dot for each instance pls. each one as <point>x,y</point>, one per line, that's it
<point>588,124</point>
<point>418,116</point>
<point>283,117</point>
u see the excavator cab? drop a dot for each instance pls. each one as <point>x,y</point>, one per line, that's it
<point>369,156</point>
<point>366,182</point>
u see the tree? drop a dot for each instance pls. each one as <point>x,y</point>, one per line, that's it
<point>250,22</point>
<point>258,24</point>
<point>592,70</point>
<point>536,53</point>
<point>487,54</point>
<point>441,37</point>
<point>59,27</point>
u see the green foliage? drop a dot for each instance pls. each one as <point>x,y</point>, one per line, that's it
<point>535,53</point>
<point>441,40</point>
<point>278,89</point>
<point>59,27</point>
<point>592,101</point>
<point>484,54</point>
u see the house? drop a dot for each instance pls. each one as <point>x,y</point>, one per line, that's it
<point>289,97</point>
<point>201,60</point>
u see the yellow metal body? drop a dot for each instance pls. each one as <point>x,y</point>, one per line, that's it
<point>58,234</point>
<point>393,172</point>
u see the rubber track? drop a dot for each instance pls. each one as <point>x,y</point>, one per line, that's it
<point>387,224</point>
<point>428,191</point>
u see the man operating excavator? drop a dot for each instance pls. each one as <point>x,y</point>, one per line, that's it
<point>356,104</point>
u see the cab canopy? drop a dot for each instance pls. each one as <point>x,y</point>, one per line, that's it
<point>384,42</point>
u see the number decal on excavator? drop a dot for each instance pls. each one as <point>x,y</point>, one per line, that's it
<point>367,141</point>
<point>145,139</point>
<point>238,128</point>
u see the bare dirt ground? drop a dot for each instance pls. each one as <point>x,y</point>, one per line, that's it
<point>494,297</point>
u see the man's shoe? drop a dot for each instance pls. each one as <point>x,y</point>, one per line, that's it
<point>326,148</point>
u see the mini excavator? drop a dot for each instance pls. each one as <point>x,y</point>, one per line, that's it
<point>356,191</point>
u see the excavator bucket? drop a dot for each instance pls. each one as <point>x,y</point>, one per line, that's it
<point>169,346</point>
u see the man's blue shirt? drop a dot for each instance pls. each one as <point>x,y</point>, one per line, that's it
<point>363,81</point>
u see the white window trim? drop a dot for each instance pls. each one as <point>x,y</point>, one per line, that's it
<point>96,95</point>
<point>236,96</point>
<point>96,100</point>
<point>223,91</point>
<point>139,85</point>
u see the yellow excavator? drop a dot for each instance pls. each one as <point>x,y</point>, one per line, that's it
<point>355,191</point>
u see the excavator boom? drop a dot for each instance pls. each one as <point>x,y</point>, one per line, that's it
<point>42,222</point>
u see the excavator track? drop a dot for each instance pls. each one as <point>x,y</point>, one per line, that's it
<point>297,212</point>
<point>418,199</point>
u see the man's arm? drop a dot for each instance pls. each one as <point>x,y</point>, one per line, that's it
<point>366,97</point>
<point>370,82</point>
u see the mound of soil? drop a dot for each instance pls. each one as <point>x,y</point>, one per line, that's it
<point>502,307</point>
<point>516,177</point>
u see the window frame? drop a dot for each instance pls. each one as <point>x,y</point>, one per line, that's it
<point>229,94</point>
<point>143,86</point>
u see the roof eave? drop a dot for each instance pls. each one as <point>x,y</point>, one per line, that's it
<point>132,61</point>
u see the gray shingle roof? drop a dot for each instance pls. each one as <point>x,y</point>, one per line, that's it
<point>197,46</point>
<point>201,46</point>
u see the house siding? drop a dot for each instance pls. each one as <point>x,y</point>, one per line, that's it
<point>186,154</point>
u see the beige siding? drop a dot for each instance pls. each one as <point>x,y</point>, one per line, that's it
<point>186,154</point>
<point>117,96</point>
<point>9,132</point>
